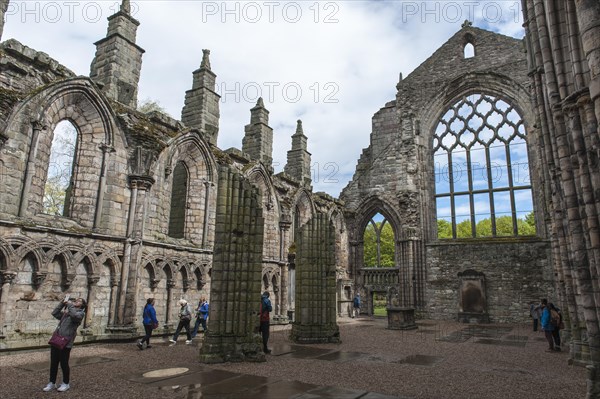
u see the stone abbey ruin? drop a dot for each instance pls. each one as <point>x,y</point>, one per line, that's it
<point>471,148</point>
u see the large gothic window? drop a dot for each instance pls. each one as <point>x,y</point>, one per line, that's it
<point>59,180</point>
<point>178,201</point>
<point>482,184</point>
<point>378,243</point>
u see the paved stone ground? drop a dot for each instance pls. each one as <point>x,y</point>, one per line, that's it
<point>438,360</point>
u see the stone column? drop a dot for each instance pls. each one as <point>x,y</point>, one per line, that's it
<point>106,150</point>
<point>170,286</point>
<point>284,227</point>
<point>236,273</point>
<point>114,292</point>
<point>139,186</point>
<point>315,319</point>
<point>37,128</point>
<point>7,278</point>
<point>91,296</point>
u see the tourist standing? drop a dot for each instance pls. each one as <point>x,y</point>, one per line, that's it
<point>150,323</point>
<point>70,313</point>
<point>556,325</point>
<point>201,316</point>
<point>185,316</point>
<point>547,327</point>
<point>534,311</point>
<point>265,319</point>
<point>356,305</point>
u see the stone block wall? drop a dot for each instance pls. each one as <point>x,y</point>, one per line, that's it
<point>516,271</point>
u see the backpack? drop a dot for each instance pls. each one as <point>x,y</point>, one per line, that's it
<point>554,318</point>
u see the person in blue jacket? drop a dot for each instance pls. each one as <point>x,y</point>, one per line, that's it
<point>547,327</point>
<point>150,323</point>
<point>201,316</point>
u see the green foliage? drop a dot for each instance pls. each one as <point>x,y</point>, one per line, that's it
<point>386,246</point>
<point>504,227</point>
<point>149,105</point>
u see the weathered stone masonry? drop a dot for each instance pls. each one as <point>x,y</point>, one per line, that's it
<point>141,218</point>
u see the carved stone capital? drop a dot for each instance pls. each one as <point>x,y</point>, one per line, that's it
<point>140,182</point>
<point>170,283</point>
<point>38,125</point>
<point>114,281</point>
<point>93,279</point>
<point>38,278</point>
<point>154,283</point>
<point>68,279</point>
<point>7,277</point>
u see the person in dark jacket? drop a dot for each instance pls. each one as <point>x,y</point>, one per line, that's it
<point>265,319</point>
<point>150,323</point>
<point>556,331</point>
<point>70,313</point>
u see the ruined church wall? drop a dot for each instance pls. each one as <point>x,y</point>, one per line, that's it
<point>516,271</point>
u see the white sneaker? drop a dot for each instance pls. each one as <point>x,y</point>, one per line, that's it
<point>63,387</point>
<point>172,341</point>
<point>49,387</point>
<point>188,341</point>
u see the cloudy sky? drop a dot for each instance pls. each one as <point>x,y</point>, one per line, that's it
<point>332,64</point>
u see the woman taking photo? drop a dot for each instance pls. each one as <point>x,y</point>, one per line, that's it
<point>70,313</point>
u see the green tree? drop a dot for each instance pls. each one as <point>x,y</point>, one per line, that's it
<point>148,105</point>
<point>444,228</point>
<point>386,245</point>
<point>463,229</point>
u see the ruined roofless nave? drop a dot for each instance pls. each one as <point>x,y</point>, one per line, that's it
<point>152,207</point>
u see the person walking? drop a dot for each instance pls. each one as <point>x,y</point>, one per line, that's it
<point>185,316</point>
<point>150,323</point>
<point>70,313</point>
<point>547,327</point>
<point>356,305</point>
<point>265,319</point>
<point>201,316</point>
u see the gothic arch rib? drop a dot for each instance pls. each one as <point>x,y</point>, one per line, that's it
<point>371,206</point>
<point>175,152</point>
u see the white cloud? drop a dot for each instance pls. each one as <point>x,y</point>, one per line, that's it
<point>345,56</point>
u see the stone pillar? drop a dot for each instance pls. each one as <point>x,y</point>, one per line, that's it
<point>284,227</point>
<point>236,273</point>
<point>91,297</point>
<point>170,286</point>
<point>315,319</point>
<point>7,278</point>
<point>114,292</point>
<point>37,128</point>
<point>106,150</point>
<point>139,186</point>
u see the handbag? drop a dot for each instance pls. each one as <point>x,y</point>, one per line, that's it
<point>154,326</point>
<point>58,341</point>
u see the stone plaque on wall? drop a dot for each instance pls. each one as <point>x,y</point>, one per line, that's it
<point>472,298</point>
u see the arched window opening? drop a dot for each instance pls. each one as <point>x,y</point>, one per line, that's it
<point>59,179</point>
<point>178,201</point>
<point>482,183</point>
<point>378,243</point>
<point>469,50</point>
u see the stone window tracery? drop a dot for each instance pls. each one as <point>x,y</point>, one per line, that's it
<point>378,243</point>
<point>58,188</point>
<point>482,183</point>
